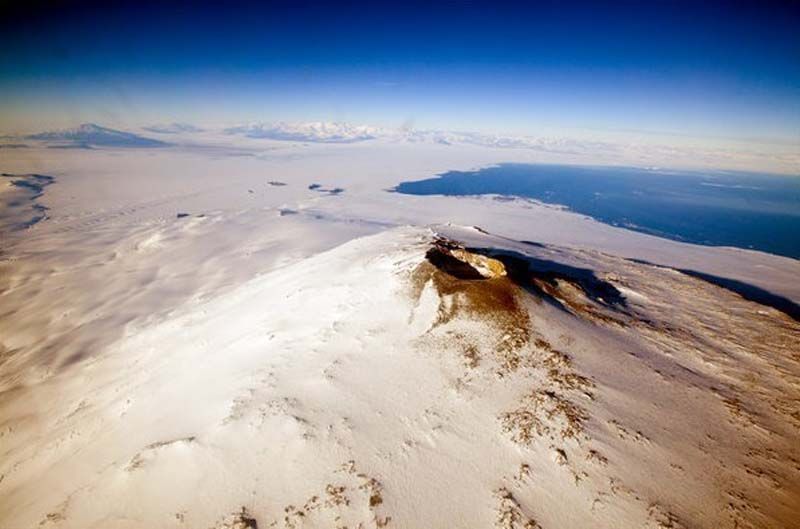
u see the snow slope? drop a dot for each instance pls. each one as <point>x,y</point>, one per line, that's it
<point>378,385</point>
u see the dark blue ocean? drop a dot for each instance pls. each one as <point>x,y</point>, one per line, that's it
<point>746,210</point>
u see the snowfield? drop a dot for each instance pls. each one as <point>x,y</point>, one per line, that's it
<point>197,336</point>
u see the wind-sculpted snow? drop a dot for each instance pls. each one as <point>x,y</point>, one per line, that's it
<point>421,377</point>
<point>747,291</point>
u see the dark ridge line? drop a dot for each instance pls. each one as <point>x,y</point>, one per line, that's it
<point>450,265</point>
<point>536,276</point>
<point>38,184</point>
<point>742,289</point>
<point>35,183</point>
<point>521,268</point>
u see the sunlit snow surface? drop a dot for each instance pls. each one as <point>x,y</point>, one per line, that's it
<point>249,333</point>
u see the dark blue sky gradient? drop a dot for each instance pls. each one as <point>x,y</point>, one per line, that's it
<point>720,69</point>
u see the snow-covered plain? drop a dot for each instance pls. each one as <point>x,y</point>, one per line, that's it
<point>195,338</point>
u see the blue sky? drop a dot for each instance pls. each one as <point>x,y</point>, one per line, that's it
<point>721,70</point>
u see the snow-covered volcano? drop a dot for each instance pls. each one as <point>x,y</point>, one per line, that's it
<point>424,377</point>
<point>89,134</point>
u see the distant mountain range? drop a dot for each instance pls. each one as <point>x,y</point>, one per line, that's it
<point>317,132</point>
<point>172,128</point>
<point>637,153</point>
<point>88,135</point>
<point>337,132</point>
